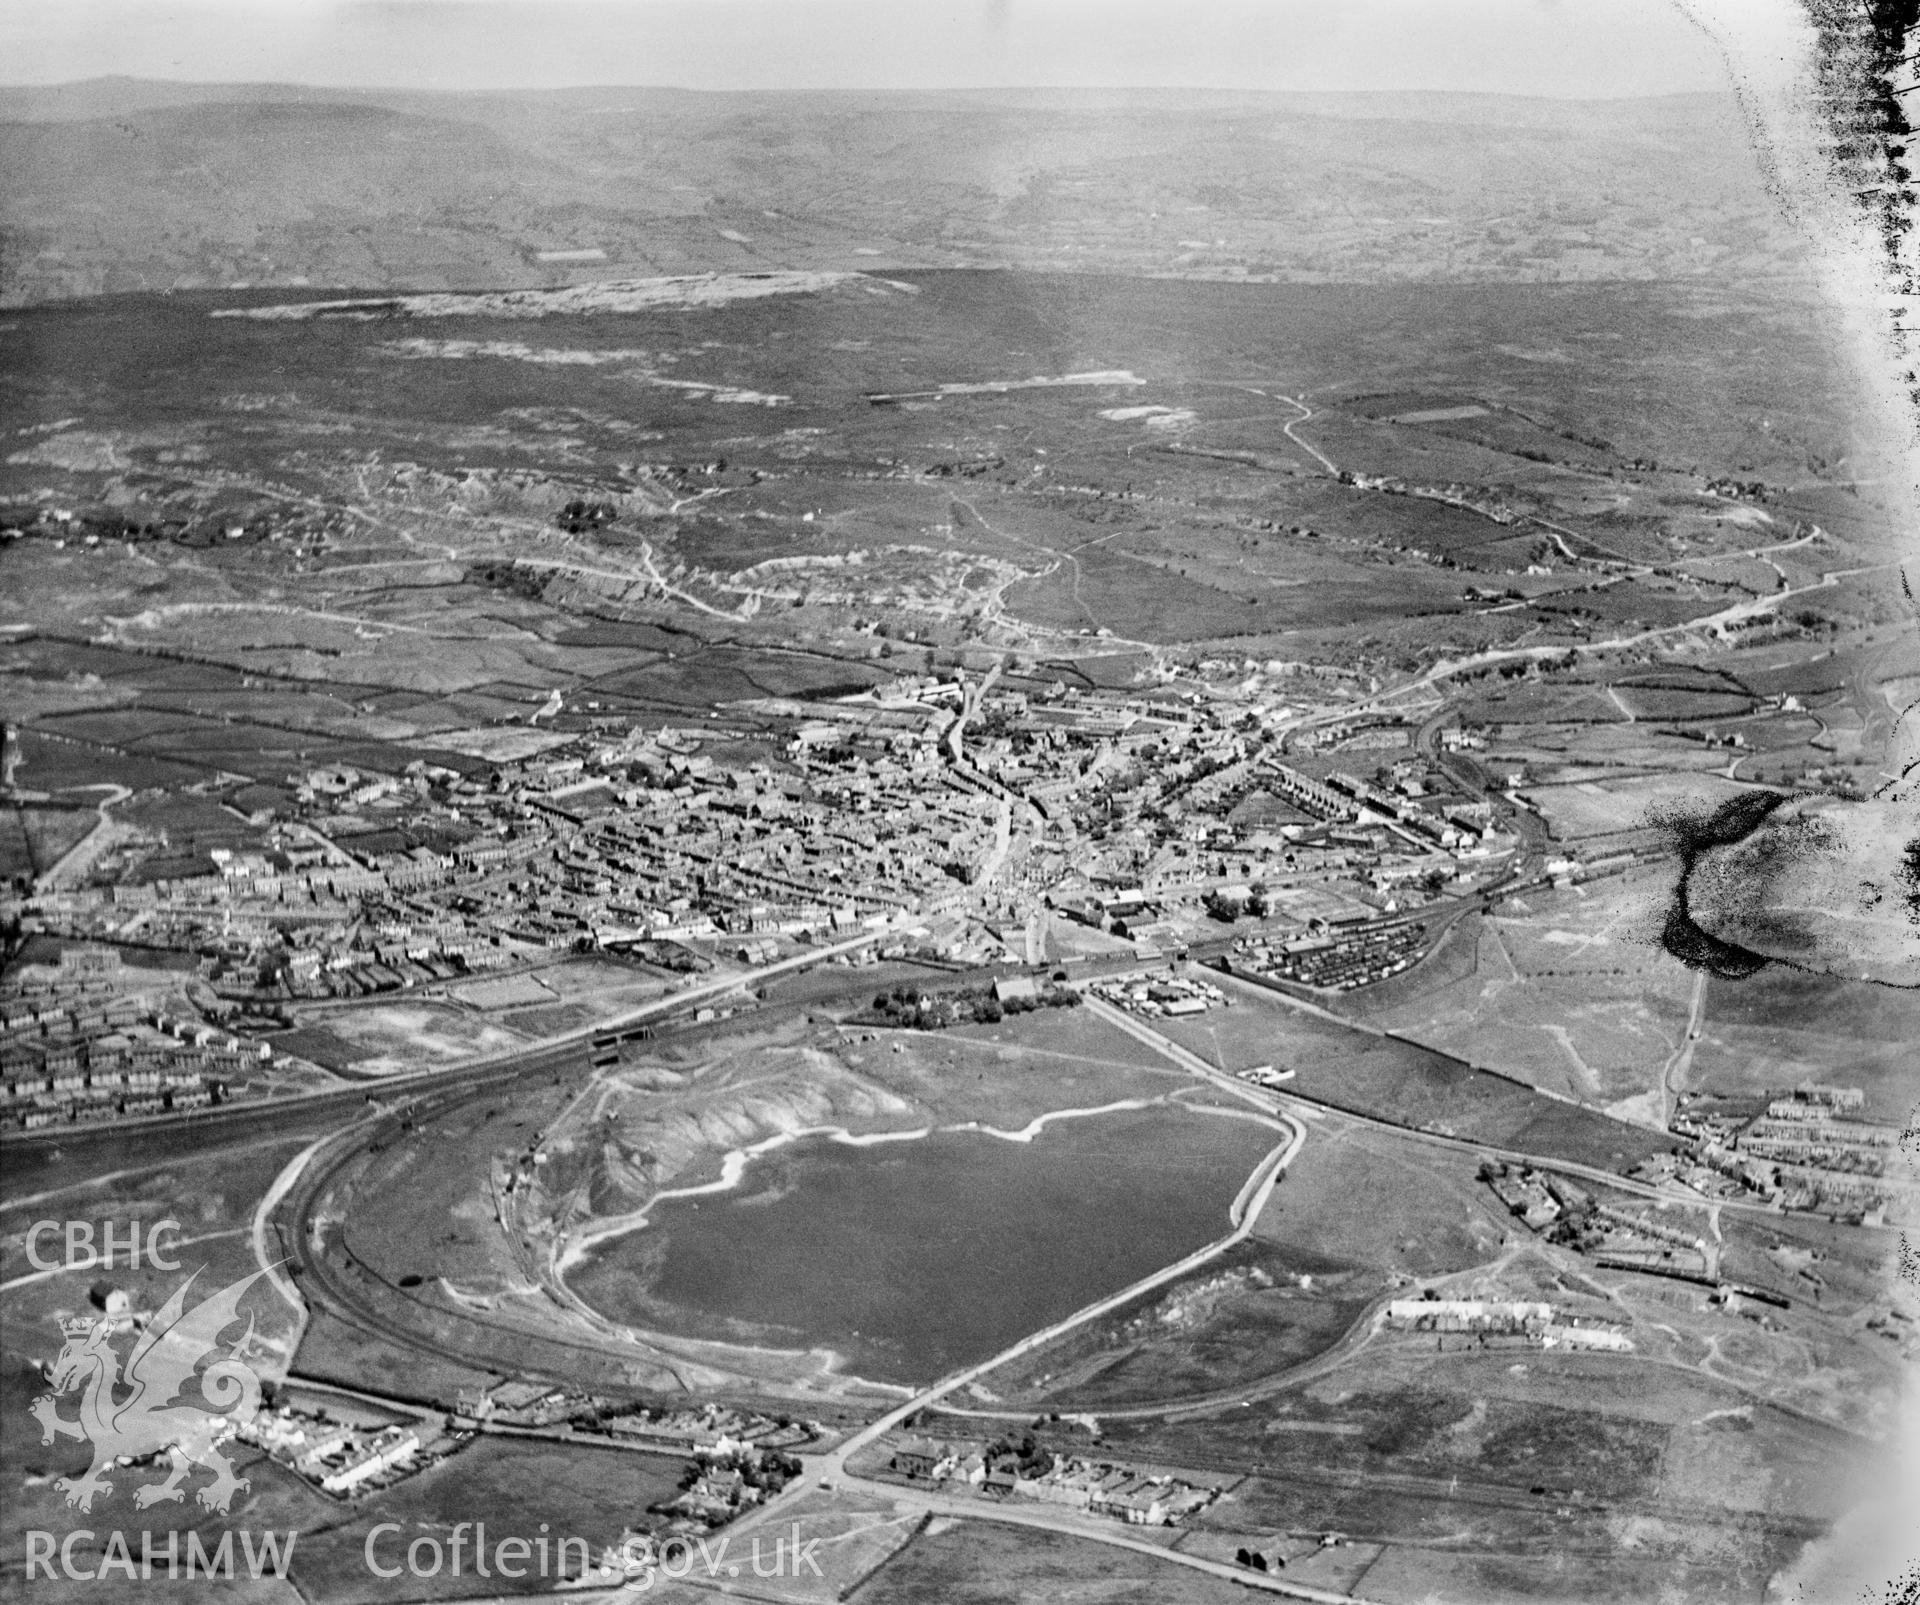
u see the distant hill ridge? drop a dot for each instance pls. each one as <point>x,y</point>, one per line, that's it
<point>119,96</point>
<point>120,184</point>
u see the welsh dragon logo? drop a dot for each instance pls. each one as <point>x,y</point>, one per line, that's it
<point>134,1414</point>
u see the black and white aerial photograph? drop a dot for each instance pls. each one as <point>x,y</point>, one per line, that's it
<point>959,802</point>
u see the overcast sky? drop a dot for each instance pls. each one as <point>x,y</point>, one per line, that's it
<point>1541,47</point>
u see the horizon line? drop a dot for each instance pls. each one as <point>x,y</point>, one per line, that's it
<point>55,85</point>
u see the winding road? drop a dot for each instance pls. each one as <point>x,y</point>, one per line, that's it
<point>1287,429</point>
<point>82,853</point>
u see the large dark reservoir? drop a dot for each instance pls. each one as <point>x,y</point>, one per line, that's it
<point>912,1258</point>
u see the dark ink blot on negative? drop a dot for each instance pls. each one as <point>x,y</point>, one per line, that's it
<point>1732,822</point>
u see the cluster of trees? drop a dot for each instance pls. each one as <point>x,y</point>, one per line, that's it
<point>766,1469</point>
<point>910,1009</point>
<point>1024,1459</point>
<point>1050,997</point>
<point>108,525</point>
<point>1578,1227</point>
<point>670,956</point>
<point>578,517</point>
<point>510,577</point>
<point>1228,909</point>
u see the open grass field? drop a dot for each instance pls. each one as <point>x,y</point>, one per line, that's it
<point>1798,674</point>
<point>17,857</point>
<point>1390,1426</point>
<point>1574,1477</point>
<point>704,676</point>
<point>51,761</point>
<point>1675,703</point>
<point>210,1190</point>
<point>1410,1085</point>
<point>518,1488</point>
<point>980,1563</point>
<point>1779,1028</point>
<point>1244,1317</point>
<point>1575,995</point>
<point>856,1534</point>
<point>1612,753</point>
<point>1356,1198</point>
<point>1013,1072</point>
<point>1595,808</point>
<point>511,991</point>
<point>335,1351</point>
<point>276,1501</point>
<point>33,839</point>
<point>391,1038</point>
<point>1736,1568</point>
<point>1543,704</point>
